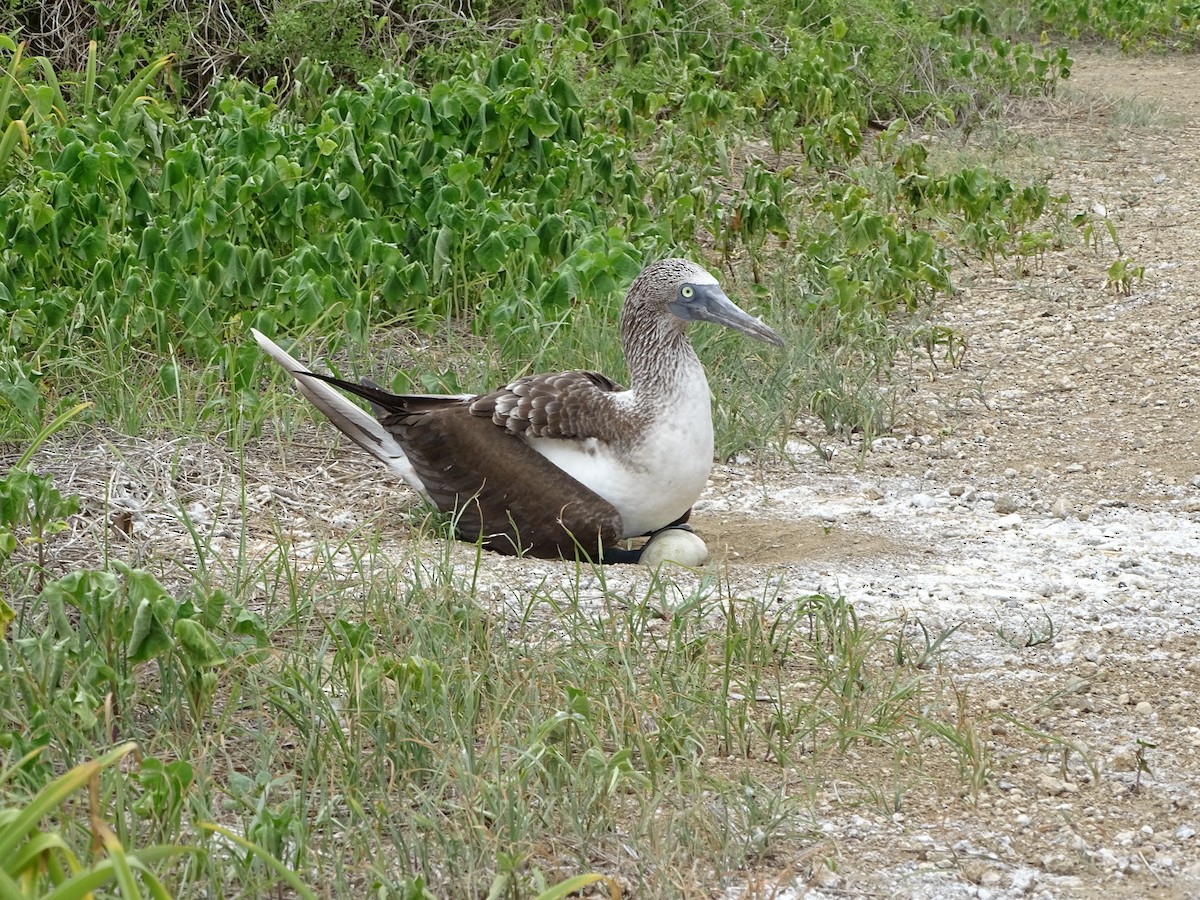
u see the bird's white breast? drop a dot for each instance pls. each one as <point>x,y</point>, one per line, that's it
<point>654,479</point>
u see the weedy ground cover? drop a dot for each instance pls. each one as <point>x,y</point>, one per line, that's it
<point>363,718</point>
<point>1130,24</point>
<point>354,710</point>
<point>505,192</point>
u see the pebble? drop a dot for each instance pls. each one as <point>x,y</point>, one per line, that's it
<point>1006,504</point>
<point>825,877</point>
<point>1049,784</point>
<point>1023,881</point>
<point>1058,509</point>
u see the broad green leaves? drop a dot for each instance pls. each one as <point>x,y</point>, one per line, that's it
<point>502,192</point>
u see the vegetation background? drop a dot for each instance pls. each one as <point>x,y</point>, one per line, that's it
<point>174,174</point>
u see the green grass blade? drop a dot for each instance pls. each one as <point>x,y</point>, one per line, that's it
<point>89,79</point>
<point>81,885</point>
<point>9,888</point>
<point>157,891</point>
<point>52,795</point>
<point>13,69</point>
<point>35,847</point>
<point>47,798</point>
<point>136,87</point>
<point>292,879</point>
<point>11,771</point>
<point>60,102</point>
<point>46,433</point>
<point>571,885</point>
<point>14,132</point>
<point>124,873</point>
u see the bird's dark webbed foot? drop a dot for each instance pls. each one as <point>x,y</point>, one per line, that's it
<point>621,556</point>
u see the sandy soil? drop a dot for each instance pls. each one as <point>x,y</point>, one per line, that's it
<point>1048,488</point>
<point>1045,493</point>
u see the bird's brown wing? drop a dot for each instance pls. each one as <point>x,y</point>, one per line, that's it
<point>560,405</point>
<point>501,490</point>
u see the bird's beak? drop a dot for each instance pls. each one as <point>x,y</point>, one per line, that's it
<point>708,303</point>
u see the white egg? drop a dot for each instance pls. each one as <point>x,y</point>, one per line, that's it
<point>674,545</point>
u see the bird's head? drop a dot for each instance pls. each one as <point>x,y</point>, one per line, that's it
<point>689,293</point>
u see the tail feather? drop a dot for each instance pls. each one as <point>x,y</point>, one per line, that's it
<point>348,418</point>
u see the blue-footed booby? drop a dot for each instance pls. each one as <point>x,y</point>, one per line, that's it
<point>566,464</point>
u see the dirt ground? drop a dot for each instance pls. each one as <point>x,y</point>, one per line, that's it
<point>1046,492</point>
<point>1049,488</point>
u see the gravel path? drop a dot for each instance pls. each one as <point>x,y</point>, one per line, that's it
<point>1047,493</point>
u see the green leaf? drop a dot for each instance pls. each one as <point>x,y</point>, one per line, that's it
<point>199,647</point>
<point>543,121</point>
<point>261,269</point>
<point>20,393</point>
<point>562,94</point>
<point>150,638</point>
<point>6,612</point>
<point>12,134</point>
<point>441,253</point>
<point>491,253</point>
<point>213,608</point>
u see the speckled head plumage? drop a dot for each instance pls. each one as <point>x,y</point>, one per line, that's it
<point>664,298</point>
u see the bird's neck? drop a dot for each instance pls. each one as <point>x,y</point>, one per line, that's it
<point>662,363</point>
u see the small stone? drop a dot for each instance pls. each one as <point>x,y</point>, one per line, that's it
<point>1006,504</point>
<point>1076,685</point>
<point>1060,864</point>
<point>1048,784</point>
<point>1075,468</point>
<point>825,877</point>
<point>1023,881</point>
<point>1058,509</point>
<point>978,871</point>
<point>1185,833</point>
<point>1144,708</point>
<point>956,490</point>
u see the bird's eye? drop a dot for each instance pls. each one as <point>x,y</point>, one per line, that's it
<point>686,291</point>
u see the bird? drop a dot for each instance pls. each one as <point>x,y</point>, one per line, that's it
<point>565,464</point>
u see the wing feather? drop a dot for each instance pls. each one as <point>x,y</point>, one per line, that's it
<point>575,405</point>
